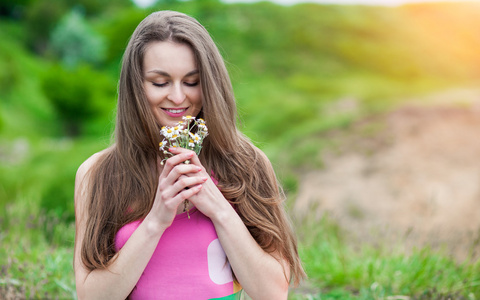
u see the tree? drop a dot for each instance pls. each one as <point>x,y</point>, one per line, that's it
<point>79,95</point>
<point>76,42</point>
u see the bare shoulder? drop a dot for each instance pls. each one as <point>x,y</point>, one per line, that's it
<point>81,207</point>
<point>261,156</point>
<point>81,178</point>
<point>87,164</point>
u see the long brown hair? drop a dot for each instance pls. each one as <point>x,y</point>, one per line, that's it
<point>125,177</point>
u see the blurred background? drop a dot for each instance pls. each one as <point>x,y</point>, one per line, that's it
<point>369,114</point>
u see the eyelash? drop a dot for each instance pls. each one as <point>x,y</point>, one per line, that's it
<point>191,84</point>
<point>165,84</point>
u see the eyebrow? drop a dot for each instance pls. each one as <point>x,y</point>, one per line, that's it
<point>163,73</point>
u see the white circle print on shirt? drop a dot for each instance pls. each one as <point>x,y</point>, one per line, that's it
<point>218,267</point>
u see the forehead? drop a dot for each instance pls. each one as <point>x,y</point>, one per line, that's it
<point>169,56</point>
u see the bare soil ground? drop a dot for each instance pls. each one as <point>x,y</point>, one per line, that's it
<point>408,178</point>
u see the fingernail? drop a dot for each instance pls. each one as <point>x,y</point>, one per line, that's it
<point>205,179</point>
<point>199,169</point>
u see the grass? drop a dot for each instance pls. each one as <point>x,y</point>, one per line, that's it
<point>37,253</point>
<point>36,225</point>
<point>339,270</point>
<point>37,237</point>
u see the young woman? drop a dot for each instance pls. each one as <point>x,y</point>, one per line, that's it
<point>133,238</point>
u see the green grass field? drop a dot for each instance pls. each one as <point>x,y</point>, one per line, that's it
<point>37,245</point>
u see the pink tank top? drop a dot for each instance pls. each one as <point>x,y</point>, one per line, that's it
<point>188,263</point>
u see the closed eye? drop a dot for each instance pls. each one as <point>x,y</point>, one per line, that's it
<point>191,83</point>
<point>160,84</point>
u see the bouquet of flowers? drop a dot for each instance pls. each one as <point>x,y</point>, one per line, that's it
<point>181,135</point>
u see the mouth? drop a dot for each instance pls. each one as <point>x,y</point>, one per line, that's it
<point>175,112</point>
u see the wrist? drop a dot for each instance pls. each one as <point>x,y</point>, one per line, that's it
<point>225,215</point>
<point>153,227</point>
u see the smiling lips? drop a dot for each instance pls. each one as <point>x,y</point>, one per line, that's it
<point>175,112</point>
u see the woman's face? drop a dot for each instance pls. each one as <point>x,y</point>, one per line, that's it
<point>171,82</point>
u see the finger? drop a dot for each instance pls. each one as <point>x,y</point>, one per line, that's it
<point>179,171</point>
<point>194,159</point>
<point>188,182</point>
<point>185,194</point>
<point>179,150</point>
<point>171,191</point>
<point>183,170</point>
<point>175,160</point>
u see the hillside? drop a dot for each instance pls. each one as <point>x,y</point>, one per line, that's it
<point>406,179</point>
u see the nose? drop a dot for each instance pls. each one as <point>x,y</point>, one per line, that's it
<point>176,94</point>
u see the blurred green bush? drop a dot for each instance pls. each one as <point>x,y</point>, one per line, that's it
<point>75,42</point>
<point>79,96</point>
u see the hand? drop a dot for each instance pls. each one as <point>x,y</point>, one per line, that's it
<point>209,200</point>
<point>176,183</point>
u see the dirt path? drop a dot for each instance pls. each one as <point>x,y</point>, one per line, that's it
<point>414,182</point>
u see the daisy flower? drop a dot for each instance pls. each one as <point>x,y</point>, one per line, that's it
<point>180,135</point>
<point>162,145</point>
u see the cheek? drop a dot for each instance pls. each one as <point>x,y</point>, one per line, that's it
<point>148,94</point>
<point>199,96</point>
<point>153,96</point>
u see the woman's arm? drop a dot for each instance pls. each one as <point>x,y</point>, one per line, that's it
<point>261,274</point>
<point>119,279</point>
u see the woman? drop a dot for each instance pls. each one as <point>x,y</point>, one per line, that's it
<point>132,235</point>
